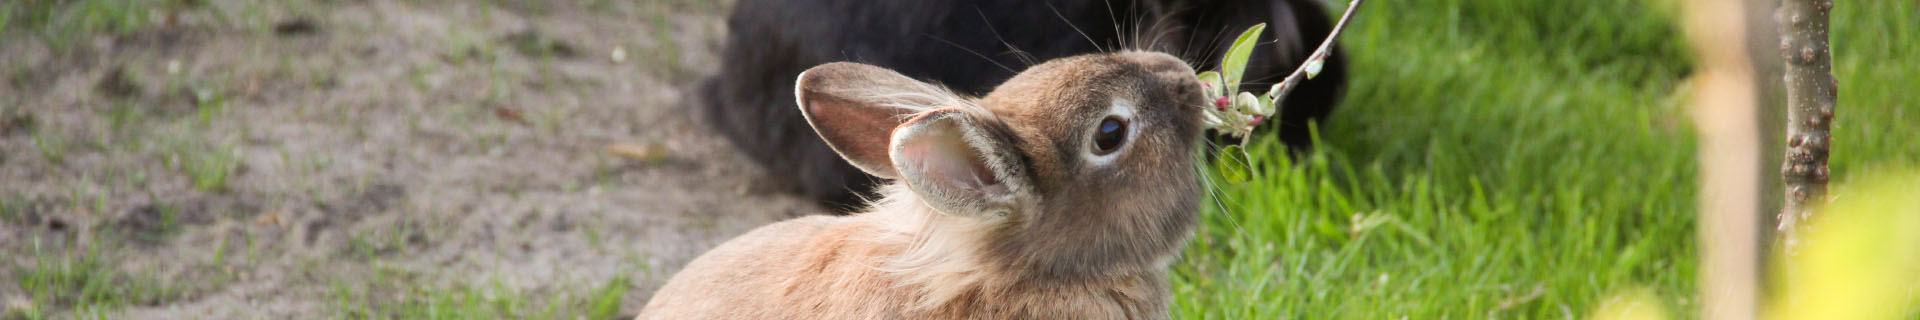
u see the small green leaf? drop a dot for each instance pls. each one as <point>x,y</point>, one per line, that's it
<point>1313,67</point>
<point>1261,105</point>
<point>1234,164</point>
<point>1213,79</point>
<point>1212,119</point>
<point>1274,93</point>
<point>1236,59</point>
<point>1245,102</point>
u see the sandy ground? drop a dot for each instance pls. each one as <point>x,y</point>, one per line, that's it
<point>372,147</point>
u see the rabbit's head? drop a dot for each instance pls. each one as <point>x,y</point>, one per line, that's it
<point>1077,165</point>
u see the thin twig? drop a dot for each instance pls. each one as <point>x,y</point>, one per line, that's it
<point>1236,113</point>
<point>1319,54</point>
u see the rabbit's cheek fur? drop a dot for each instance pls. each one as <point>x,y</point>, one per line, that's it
<point>1130,214</point>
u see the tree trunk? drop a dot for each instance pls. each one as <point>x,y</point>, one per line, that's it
<point>1811,94</point>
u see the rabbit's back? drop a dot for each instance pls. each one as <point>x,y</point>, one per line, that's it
<point>744,277</point>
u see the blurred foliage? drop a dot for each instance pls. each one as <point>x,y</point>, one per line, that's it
<point>1508,158</point>
<point>1636,304</point>
<point>1861,259</point>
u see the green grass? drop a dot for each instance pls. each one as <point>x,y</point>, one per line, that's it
<point>86,282</point>
<point>51,146</point>
<point>1508,159</point>
<point>1878,65</point>
<point>63,24</point>
<point>208,167</point>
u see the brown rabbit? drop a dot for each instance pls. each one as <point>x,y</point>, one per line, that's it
<point>1063,194</point>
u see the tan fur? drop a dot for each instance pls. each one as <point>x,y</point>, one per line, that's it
<point>1065,240</point>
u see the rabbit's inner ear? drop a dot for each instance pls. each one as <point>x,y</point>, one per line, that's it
<point>857,132</point>
<point>952,164</point>
<point>855,108</point>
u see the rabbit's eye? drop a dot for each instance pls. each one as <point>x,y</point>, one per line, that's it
<point>1108,137</point>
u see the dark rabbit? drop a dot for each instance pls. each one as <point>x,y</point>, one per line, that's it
<point>971,47</point>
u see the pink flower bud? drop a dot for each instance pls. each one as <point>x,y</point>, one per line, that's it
<point>1220,103</point>
<point>1257,119</point>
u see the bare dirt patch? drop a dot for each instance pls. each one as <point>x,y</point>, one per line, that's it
<point>307,159</point>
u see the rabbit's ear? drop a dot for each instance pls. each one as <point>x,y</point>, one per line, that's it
<point>856,107</point>
<point>957,164</point>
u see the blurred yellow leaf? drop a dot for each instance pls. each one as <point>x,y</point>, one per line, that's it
<point>1634,304</point>
<point>1861,256</point>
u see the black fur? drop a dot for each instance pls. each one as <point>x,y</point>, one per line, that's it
<point>972,46</point>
